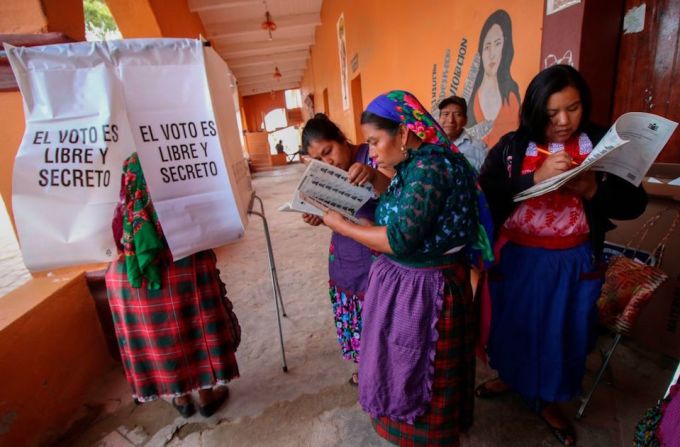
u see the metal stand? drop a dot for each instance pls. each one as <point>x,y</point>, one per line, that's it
<point>605,362</point>
<point>278,300</point>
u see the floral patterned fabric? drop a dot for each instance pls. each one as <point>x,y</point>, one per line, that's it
<point>142,234</point>
<point>348,266</point>
<point>402,107</point>
<point>429,207</point>
<point>347,315</point>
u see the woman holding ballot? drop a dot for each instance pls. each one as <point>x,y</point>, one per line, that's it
<point>417,353</point>
<point>175,326</point>
<point>547,279</point>
<point>348,261</point>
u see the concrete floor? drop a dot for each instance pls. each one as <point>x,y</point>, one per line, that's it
<point>312,404</point>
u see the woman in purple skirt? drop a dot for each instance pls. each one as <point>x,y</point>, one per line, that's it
<point>348,261</point>
<point>417,361</point>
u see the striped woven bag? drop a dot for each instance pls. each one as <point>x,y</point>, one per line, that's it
<point>629,284</point>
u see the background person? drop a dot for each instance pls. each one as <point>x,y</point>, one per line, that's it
<point>176,328</point>
<point>453,118</point>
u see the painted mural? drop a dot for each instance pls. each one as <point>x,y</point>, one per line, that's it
<point>492,94</point>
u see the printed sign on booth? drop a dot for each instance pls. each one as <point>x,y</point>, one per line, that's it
<point>90,105</point>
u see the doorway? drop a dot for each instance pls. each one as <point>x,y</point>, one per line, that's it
<point>648,79</point>
<point>326,108</point>
<point>357,108</point>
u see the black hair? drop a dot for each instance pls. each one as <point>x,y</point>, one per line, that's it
<point>533,113</point>
<point>391,127</point>
<point>506,85</point>
<point>321,128</point>
<point>456,100</point>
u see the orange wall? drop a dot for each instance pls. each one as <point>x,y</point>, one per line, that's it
<point>65,16</point>
<point>135,18</point>
<point>397,48</point>
<point>255,107</point>
<point>11,133</point>
<point>22,17</point>
<point>176,20</point>
<point>51,349</point>
<point>155,18</point>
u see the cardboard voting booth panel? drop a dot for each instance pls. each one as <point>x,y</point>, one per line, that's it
<point>176,135</point>
<point>89,105</point>
<point>658,325</point>
<point>67,170</point>
<point>224,98</point>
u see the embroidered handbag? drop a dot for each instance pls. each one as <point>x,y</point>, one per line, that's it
<point>629,283</point>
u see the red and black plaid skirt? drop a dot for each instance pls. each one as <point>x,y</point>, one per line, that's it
<point>177,339</point>
<point>452,402</point>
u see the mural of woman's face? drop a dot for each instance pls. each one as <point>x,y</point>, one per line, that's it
<point>492,51</point>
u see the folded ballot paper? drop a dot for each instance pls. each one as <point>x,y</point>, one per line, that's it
<point>627,150</point>
<point>325,186</point>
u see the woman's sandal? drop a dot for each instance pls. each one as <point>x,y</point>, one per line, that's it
<point>354,380</point>
<point>484,392</point>
<point>211,407</point>
<point>562,434</point>
<point>186,410</point>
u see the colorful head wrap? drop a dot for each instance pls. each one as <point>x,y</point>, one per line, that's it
<point>402,107</point>
<point>143,240</point>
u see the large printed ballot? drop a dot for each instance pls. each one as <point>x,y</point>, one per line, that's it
<point>90,105</point>
<point>627,150</point>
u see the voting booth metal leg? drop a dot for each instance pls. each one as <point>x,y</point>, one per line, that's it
<point>278,300</point>
<point>272,264</point>
<point>598,377</point>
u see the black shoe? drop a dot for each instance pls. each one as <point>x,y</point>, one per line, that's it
<point>186,410</point>
<point>209,409</point>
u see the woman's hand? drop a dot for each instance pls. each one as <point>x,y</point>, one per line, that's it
<point>360,173</point>
<point>555,164</point>
<point>312,220</point>
<point>334,220</point>
<point>583,185</point>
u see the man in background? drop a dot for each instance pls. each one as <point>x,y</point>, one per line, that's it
<point>453,118</point>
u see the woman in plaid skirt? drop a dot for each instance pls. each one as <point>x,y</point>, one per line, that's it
<point>176,329</point>
<point>417,360</point>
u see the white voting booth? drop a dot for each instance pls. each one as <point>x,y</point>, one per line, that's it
<point>88,106</point>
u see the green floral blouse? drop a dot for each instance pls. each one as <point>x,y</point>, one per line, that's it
<point>430,207</point>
